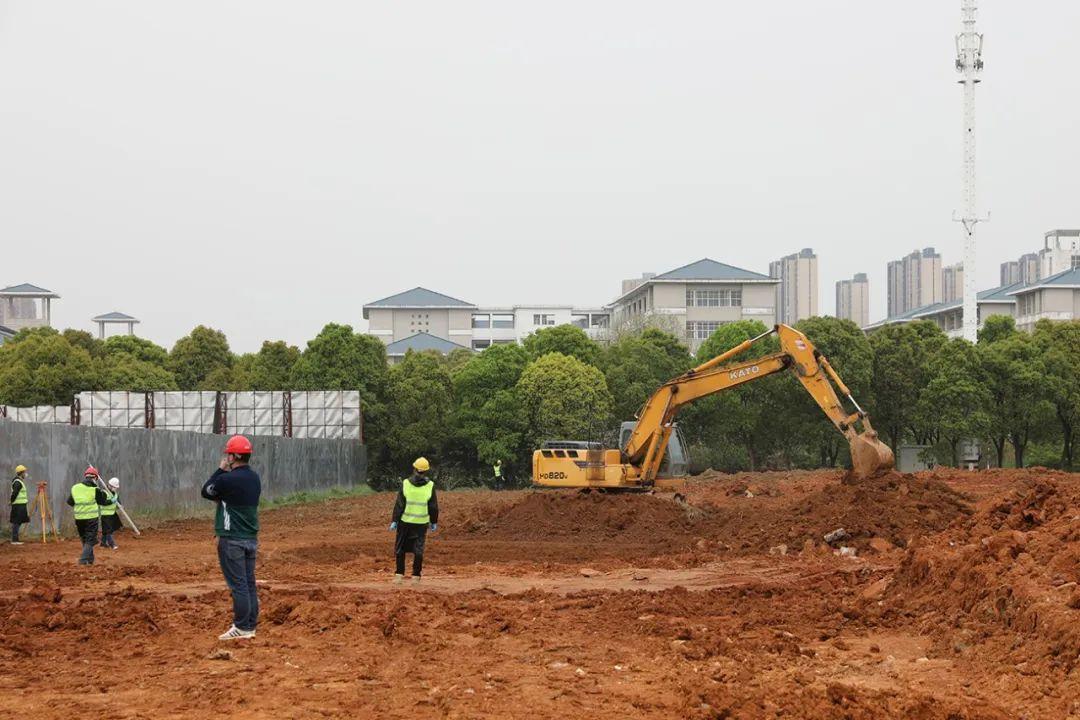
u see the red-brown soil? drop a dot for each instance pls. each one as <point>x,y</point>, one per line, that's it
<point>958,605</point>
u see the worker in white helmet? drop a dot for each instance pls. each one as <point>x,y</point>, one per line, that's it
<point>110,521</point>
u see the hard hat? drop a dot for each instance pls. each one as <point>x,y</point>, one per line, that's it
<point>238,445</point>
<point>421,465</point>
<point>114,483</point>
<point>20,469</point>
<point>91,471</point>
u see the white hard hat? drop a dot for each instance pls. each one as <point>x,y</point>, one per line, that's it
<point>114,483</point>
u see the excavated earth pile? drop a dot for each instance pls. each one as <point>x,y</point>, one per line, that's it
<point>960,601</point>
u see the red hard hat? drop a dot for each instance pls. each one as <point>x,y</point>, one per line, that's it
<point>238,445</point>
<point>91,471</point>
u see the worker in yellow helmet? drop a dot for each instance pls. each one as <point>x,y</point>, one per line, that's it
<point>416,508</point>
<point>19,497</point>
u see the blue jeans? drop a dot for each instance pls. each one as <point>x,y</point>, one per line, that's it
<point>237,558</point>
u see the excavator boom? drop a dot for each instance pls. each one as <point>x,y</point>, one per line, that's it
<point>641,457</point>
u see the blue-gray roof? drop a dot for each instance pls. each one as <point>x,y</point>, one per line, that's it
<point>114,316</point>
<point>6,331</point>
<point>422,341</point>
<point>419,297</point>
<point>1001,294</point>
<point>28,289</point>
<point>1063,279</point>
<point>706,269</point>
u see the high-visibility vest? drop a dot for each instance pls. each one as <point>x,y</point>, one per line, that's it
<point>109,509</point>
<point>416,500</point>
<point>85,497</point>
<point>20,499</point>
<point>498,469</point>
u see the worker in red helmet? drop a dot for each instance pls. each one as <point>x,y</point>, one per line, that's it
<point>236,488</point>
<point>86,500</point>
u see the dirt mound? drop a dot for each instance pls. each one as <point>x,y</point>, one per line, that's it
<point>1005,581</point>
<point>896,507</point>
<point>631,518</point>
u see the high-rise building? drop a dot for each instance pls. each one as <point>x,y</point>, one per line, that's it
<point>797,292</point>
<point>914,281</point>
<point>853,300</point>
<point>1025,270</point>
<point>952,282</point>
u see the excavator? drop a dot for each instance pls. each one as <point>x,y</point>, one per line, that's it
<point>652,455</point>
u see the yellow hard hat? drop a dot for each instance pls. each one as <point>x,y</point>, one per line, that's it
<point>20,469</point>
<point>421,465</point>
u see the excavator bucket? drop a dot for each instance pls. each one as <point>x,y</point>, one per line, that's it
<point>870,456</point>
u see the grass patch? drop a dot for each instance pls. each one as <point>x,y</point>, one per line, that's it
<point>304,497</point>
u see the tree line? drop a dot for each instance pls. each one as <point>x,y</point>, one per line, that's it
<point>1018,394</point>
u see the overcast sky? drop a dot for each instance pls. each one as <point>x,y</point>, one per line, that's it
<point>267,167</point>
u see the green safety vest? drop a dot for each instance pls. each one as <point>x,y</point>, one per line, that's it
<point>20,499</point>
<point>416,500</point>
<point>498,470</point>
<point>109,509</point>
<point>85,497</point>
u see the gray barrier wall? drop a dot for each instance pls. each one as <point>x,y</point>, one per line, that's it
<point>162,471</point>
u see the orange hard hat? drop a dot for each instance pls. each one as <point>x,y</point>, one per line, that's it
<point>238,445</point>
<point>91,471</point>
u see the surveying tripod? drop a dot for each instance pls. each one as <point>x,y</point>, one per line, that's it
<point>42,507</point>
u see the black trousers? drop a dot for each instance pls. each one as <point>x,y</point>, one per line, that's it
<point>410,538</point>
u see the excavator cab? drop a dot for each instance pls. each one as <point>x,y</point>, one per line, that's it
<point>676,462</point>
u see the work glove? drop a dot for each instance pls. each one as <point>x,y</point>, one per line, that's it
<point>434,527</point>
<point>393,526</point>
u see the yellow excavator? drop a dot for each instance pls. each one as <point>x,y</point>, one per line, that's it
<point>652,454</point>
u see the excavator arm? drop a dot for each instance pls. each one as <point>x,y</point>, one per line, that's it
<point>649,438</point>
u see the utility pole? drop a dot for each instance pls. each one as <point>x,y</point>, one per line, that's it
<point>969,63</point>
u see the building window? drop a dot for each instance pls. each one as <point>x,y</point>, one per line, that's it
<point>540,320</point>
<point>580,320</point>
<point>1075,261</point>
<point>503,321</point>
<point>702,329</point>
<point>503,342</point>
<point>480,344</point>
<point>599,321</point>
<point>696,297</point>
<point>481,320</point>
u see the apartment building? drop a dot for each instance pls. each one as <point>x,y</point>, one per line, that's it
<point>949,315</point>
<point>1024,270</point>
<point>914,281</point>
<point>853,299</point>
<point>698,298</point>
<point>797,291</point>
<point>952,282</point>
<point>1052,298</point>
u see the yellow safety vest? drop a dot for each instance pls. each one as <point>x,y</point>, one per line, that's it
<point>85,497</point>
<point>20,499</point>
<point>416,500</point>
<point>498,470</point>
<point>109,509</point>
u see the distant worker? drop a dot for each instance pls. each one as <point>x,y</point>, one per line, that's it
<point>110,521</point>
<point>415,508</point>
<point>497,469</point>
<point>236,488</point>
<point>19,498</point>
<point>87,499</point>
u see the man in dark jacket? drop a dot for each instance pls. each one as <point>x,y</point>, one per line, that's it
<point>19,498</point>
<point>86,499</point>
<point>236,488</point>
<point>416,508</point>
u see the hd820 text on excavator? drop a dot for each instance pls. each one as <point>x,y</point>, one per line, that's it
<point>639,464</point>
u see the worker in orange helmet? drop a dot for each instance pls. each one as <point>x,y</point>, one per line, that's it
<point>415,509</point>
<point>236,488</point>
<point>86,500</point>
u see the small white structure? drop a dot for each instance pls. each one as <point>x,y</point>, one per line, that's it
<point>115,318</point>
<point>26,306</point>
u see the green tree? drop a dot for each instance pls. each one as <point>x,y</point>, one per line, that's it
<point>122,371</point>
<point>41,367</point>
<point>418,416</point>
<point>83,339</point>
<point>671,345</point>
<point>271,368</point>
<point>955,400</point>
<point>566,339</point>
<point>198,354</point>
<point>1016,381</point>
<point>563,397</point>
<point>901,368</point>
<point>136,347</point>
<point>634,368</point>
<point>997,327</point>
<point>488,418</point>
<point>849,352</point>
<point>1059,346</point>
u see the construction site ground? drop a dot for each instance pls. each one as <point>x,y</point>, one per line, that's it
<point>957,598</point>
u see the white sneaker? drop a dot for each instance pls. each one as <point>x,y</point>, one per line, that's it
<point>415,579</point>
<point>398,579</point>
<point>235,633</point>
<point>17,542</point>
